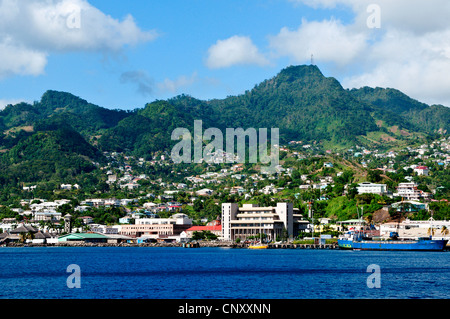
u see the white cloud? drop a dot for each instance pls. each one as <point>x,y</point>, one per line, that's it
<point>39,28</point>
<point>418,65</point>
<point>329,41</point>
<point>18,59</point>
<point>410,52</point>
<point>233,51</point>
<point>412,15</point>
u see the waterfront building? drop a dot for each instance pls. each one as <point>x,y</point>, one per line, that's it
<point>351,224</point>
<point>26,233</point>
<point>80,238</point>
<point>439,229</point>
<point>158,228</point>
<point>214,227</point>
<point>269,222</point>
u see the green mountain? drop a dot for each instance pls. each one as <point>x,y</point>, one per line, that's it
<point>304,104</point>
<point>395,107</point>
<point>149,130</point>
<point>51,154</point>
<point>60,107</point>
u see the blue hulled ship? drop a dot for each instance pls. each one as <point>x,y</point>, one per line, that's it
<point>357,241</point>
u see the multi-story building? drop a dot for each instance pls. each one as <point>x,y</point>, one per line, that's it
<point>158,227</point>
<point>409,191</point>
<point>252,220</point>
<point>370,188</point>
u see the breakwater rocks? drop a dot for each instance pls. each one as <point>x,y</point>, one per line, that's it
<point>297,246</point>
<point>184,245</point>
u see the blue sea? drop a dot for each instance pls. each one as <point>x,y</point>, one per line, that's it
<point>221,273</point>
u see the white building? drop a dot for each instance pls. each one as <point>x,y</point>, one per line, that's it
<point>417,228</point>
<point>155,228</point>
<point>47,216</point>
<point>421,170</point>
<point>409,191</point>
<point>370,188</point>
<point>251,220</point>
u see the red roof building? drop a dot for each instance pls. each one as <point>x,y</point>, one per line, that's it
<point>421,170</point>
<point>215,229</point>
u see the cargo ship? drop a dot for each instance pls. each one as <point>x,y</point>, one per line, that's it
<point>357,241</point>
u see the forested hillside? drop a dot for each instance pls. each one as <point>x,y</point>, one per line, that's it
<point>64,134</point>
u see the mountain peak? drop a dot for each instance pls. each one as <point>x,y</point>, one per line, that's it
<point>302,70</point>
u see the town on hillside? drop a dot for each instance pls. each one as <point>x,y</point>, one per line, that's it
<point>314,193</point>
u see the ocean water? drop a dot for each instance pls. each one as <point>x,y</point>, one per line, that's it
<point>221,273</point>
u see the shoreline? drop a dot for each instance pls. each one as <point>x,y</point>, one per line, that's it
<point>176,245</point>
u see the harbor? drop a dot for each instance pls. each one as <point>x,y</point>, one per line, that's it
<point>210,273</point>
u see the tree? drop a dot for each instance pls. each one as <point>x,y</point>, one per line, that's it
<point>374,176</point>
<point>204,235</point>
<point>24,236</point>
<point>198,205</point>
<point>352,191</point>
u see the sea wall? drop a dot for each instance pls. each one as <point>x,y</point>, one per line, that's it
<point>189,245</point>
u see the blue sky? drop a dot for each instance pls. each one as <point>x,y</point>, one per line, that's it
<point>124,54</point>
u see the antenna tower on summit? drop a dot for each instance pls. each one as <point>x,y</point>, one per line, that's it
<point>312,59</point>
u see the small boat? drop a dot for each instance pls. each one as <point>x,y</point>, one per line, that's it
<point>258,246</point>
<point>191,245</point>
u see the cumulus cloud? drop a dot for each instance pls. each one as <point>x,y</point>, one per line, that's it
<point>233,51</point>
<point>329,41</point>
<point>19,59</point>
<point>413,15</point>
<point>417,65</point>
<point>31,30</point>
<point>410,51</point>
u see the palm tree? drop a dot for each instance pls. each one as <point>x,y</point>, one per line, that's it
<point>30,235</point>
<point>22,237</point>
<point>431,230</point>
<point>42,224</point>
<point>26,235</point>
